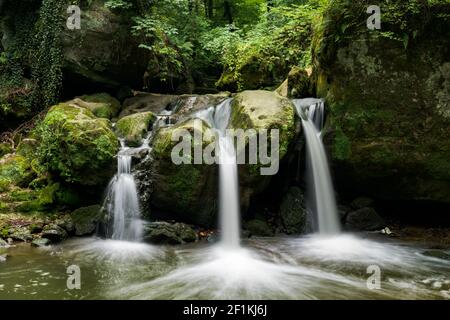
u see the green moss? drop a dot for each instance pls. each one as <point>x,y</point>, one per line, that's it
<point>134,127</point>
<point>76,145</point>
<point>15,170</point>
<point>5,148</point>
<point>342,146</point>
<point>102,105</point>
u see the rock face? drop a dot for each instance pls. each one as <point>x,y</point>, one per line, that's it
<point>103,52</point>
<point>293,213</point>
<point>168,233</point>
<point>76,146</point>
<point>388,93</point>
<point>133,128</point>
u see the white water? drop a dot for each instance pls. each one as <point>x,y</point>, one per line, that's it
<point>122,202</point>
<point>311,111</point>
<point>229,210</point>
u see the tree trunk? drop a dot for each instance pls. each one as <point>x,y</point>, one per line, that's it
<point>227,11</point>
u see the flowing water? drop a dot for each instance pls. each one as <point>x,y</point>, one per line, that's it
<point>229,208</point>
<point>265,268</point>
<point>311,112</point>
<point>122,201</point>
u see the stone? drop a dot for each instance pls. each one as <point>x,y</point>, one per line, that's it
<point>135,127</point>
<point>54,233</point>
<point>169,233</point>
<point>76,146</point>
<point>40,242</point>
<point>20,234</point>
<point>102,105</point>
<point>66,223</point>
<point>297,85</point>
<point>86,220</point>
<point>293,213</point>
<point>365,219</point>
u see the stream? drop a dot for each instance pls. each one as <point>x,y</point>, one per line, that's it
<point>309,267</point>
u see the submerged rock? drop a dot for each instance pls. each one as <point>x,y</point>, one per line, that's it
<point>293,213</point>
<point>86,220</point>
<point>41,242</point>
<point>3,243</point>
<point>169,233</point>
<point>3,257</point>
<point>365,219</point>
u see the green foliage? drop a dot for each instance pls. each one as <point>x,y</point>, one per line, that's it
<point>48,57</point>
<point>280,40</point>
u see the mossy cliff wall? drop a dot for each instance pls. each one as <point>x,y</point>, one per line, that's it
<point>388,92</point>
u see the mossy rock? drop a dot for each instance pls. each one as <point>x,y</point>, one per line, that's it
<point>102,105</point>
<point>133,128</point>
<point>193,185</point>
<point>76,146</point>
<point>297,85</point>
<point>86,219</point>
<point>388,93</point>
<point>268,110</point>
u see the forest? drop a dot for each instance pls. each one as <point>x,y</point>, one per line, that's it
<point>353,97</point>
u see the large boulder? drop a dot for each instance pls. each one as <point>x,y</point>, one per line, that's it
<point>102,105</point>
<point>192,185</point>
<point>86,219</point>
<point>76,146</point>
<point>388,92</point>
<point>261,110</point>
<point>133,128</point>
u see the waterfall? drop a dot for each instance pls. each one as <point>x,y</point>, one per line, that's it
<point>229,207</point>
<point>122,201</point>
<point>311,112</point>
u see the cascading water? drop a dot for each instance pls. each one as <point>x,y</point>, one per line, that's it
<point>229,210</point>
<point>122,201</point>
<point>311,112</point>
